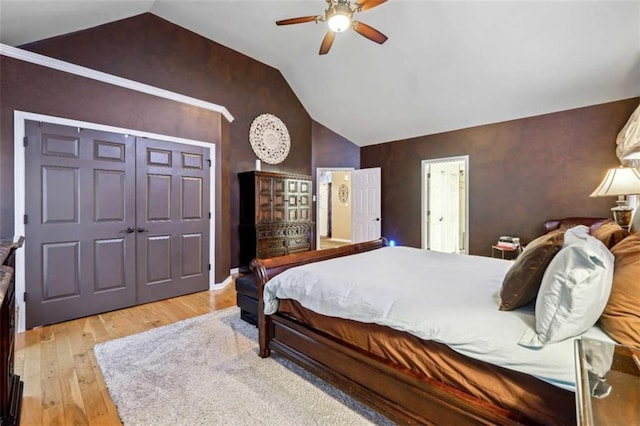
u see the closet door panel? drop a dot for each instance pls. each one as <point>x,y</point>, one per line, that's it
<point>172,231</point>
<point>80,201</point>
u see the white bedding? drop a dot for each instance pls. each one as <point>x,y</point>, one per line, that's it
<point>452,299</point>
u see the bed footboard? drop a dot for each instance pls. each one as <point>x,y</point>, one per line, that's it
<point>265,269</point>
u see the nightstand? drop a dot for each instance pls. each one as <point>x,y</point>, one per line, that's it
<point>607,383</point>
<point>505,253</point>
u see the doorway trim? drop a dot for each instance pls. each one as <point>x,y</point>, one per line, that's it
<point>19,180</point>
<point>424,201</point>
<point>320,170</point>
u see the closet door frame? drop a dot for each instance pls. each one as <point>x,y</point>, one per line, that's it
<point>19,190</point>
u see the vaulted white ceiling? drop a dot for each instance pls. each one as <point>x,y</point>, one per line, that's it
<point>447,64</point>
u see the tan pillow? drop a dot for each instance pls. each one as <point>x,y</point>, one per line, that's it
<point>521,284</point>
<point>621,316</point>
<point>609,232</point>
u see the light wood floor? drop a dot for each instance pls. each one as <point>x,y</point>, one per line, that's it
<point>63,384</point>
<point>326,243</point>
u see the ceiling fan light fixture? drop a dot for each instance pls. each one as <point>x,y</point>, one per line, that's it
<point>339,17</point>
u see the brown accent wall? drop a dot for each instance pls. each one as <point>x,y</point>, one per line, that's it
<point>31,88</point>
<point>521,172</point>
<point>151,50</point>
<point>332,150</point>
<point>329,149</point>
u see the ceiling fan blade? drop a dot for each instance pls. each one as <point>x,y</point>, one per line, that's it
<point>327,41</point>
<point>368,32</point>
<point>363,5</point>
<point>300,20</point>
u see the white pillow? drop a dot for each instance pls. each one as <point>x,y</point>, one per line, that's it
<point>577,234</point>
<point>574,291</point>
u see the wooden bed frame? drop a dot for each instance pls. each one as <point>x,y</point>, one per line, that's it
<point>396,393</point>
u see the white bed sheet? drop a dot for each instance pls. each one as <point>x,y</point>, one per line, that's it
<point>449,298</point>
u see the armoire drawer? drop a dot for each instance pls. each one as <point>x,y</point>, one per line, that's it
<point>274,247</point>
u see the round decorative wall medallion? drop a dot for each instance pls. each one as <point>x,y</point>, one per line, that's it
<point>343,193</point>
<point>269,138</point>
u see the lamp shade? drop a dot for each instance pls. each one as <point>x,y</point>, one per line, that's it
<point>632,154</point>
<point>619,181</point>
<point>628,140</point>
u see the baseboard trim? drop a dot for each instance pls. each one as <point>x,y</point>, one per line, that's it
<point>222,285</point>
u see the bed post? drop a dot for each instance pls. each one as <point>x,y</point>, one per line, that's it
<point>264,321</point>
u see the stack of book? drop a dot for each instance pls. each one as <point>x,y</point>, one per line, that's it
<point>508,243</point>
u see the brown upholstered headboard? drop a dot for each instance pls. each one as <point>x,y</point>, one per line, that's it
<point>568,222</point>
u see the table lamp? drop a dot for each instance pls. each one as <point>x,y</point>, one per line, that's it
<point>632,155</point>
<point>620,181</point>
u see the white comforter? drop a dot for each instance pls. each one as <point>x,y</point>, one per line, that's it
<point>452,299</point>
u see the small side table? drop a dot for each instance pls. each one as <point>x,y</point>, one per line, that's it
<point>511,253</point>
<point>607,383</point>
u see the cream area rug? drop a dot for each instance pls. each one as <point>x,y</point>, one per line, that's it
<point>206,371</point>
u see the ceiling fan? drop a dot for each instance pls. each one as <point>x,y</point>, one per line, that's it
<point>339,17</point>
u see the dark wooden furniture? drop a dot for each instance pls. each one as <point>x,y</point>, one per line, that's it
<point>275,215</point>
<point>608,383</point>
<point>568,222</point>
<point>247,298</point>
<point>397,393</point>
<point>10,384</point>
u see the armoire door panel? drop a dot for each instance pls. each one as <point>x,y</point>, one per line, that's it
<point>264,200</point>
<point>279,197</point>
<point>279,186</point>
<point>264,209</point>
<point>304,214</point>
<point>279,215</point>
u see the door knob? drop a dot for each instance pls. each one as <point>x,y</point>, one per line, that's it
<point>377,219</point>
<point>130,230</point>
<point>141,229</point>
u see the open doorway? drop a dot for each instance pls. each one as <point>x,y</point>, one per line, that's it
<point>445,200</point>
<point>333,207</point>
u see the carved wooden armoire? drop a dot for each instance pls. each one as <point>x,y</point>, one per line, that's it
<point>275,215</point>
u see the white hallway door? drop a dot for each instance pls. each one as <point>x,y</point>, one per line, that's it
<point>445,210</point>
<point>366,213</point>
